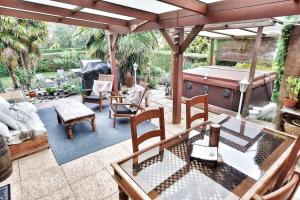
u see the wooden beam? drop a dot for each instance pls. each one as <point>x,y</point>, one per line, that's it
<point>259,11</point>
<point>49,18</point>
<point>221,33</point>
<point>62,12</point>
<point>211,52</point>
<point>192,5</point>
<point>169,40</point>
<point>113,8</point>
<point>252,70</point>
<point>112,41</point>
<point>177,76</point>
<point>190,37</point>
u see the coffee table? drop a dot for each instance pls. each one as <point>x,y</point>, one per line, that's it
<point>71,113</point>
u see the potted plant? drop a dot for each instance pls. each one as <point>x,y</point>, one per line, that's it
<point>292,88</point>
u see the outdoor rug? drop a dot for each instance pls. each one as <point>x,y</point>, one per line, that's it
<point>85,141</point>
<point>5,192</point>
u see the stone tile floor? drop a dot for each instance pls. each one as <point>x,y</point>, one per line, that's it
<point>39,177</point>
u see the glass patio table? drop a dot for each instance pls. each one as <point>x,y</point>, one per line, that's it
<point>249,156</point>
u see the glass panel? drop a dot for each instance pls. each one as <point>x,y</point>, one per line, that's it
<point>107,14</point>
<point>167,172</point>
<point>146,5</point>
<point>54,3</point>
<point>236,32</point>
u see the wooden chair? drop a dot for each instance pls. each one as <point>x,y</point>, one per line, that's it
<point>284,193</point>
<point>288,179</point>
<point>201,99</point>
<point>87,93</point>
<point>119,108</point>
<point>144,116</point>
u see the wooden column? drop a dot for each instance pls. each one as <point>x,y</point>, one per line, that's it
<point>178,45</point>
<point>177,65</point>
<point>112,41</point>
<point>211,52</point>
<point>252,70</point>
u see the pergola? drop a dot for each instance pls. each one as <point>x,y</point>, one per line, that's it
<point>127,16</point>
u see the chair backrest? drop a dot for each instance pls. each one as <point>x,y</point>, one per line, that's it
<point>144,116</point>
<point>284,193</point>
<point>107,77</point>
<point>145,86</point>
<point>201,99</point>
<point>288,165</point>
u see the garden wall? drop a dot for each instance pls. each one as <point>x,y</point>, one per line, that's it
<point>240,50</point>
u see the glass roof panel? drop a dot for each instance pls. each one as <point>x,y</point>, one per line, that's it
<point>209,1</point>
<point>53,3</point>
<point>211,35</point>
<point>270,30</point>
<point>236,32</point>
<point>107,14</point>
<point>146,5</point>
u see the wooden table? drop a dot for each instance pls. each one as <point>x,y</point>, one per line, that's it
<point>71,113</point>
<point>251,157</point>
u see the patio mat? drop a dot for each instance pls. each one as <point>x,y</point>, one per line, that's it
<point>5,192</point>
<point>85,141</point>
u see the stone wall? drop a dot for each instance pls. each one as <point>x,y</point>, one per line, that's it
<point>240,50</point>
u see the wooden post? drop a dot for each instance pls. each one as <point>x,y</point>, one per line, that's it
<point>177,75</point>
<point>252,70</point>
<point>211,52</point>
<point>112,41</point>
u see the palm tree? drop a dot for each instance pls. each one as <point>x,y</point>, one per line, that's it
<point>131,48</point>
<point>20,40</point>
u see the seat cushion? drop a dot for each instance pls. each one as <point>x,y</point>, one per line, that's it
<point>121,109</point>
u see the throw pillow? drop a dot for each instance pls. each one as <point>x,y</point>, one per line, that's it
<point>4,104</point>
<point>100,86</point>
<point>8,120</point>
<point>4,130</point>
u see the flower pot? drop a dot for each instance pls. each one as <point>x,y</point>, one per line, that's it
<point>128,79</point>
<point>32,94</point>
<point>290,103</point>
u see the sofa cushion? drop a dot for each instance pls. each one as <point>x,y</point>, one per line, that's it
<point>100,86</point>
<point>121,109</point>
<point>8,120</point>
<point>4,131</point>
<point>4,104</point>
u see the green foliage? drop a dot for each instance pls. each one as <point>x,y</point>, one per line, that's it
<point>293,87</point>
<point>199,45</point>
<point>25,76</point>
<point>248,65</point>
<point>282,49</point>
<point>3,70</point>
<point>52,90</point>
<point>63,60</point>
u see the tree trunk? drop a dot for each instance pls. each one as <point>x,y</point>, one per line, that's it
<point>11,74</point>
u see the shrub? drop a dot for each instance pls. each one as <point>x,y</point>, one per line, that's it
<point>3,70</point>
<point>64,60</point>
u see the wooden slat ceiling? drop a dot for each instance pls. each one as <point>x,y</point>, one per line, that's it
<point>113,16</point>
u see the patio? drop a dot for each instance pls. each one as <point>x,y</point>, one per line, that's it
<point>39,176</point>
<point>227,156</point>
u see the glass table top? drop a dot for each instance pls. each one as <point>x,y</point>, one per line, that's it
<point>246,152</point>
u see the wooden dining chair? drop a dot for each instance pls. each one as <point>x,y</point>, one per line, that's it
<point>144,116</point>
<point>286,192</point>
<point>201,99</point>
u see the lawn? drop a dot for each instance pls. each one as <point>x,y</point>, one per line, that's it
<point>6,81</point>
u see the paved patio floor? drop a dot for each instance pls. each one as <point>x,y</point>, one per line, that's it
<point>38,176</point>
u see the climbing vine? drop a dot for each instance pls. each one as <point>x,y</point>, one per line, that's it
<point>278,65</point>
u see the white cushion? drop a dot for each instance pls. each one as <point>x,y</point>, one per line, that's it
<point>100,86</point>
<point>4,104</point>
<point>8,120</point>
<point>4,130</point>
<point>135,94</point>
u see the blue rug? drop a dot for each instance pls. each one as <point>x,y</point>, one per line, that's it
<point>5,192</point>
<point>85,141</point>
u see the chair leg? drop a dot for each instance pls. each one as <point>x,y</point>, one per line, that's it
<point>100,106</point>
<point>109,114</point>
<point>114,122</point>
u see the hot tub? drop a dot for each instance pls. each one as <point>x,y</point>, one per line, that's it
<point>222,85</point>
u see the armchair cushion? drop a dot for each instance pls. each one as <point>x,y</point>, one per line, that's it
<point>100,86</point>
<point>121,109</point>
